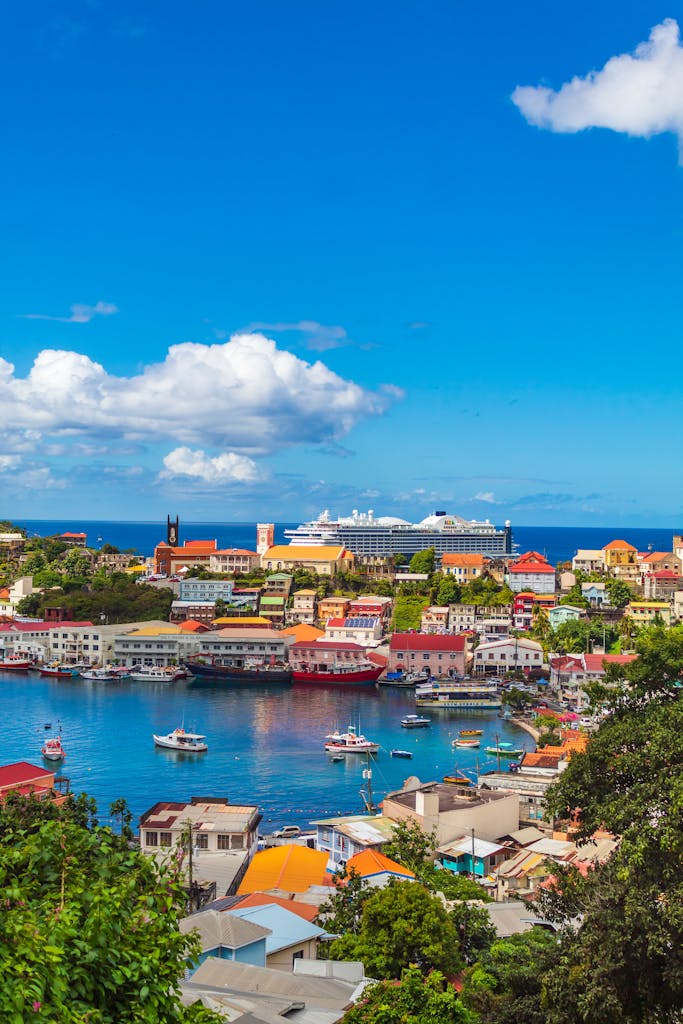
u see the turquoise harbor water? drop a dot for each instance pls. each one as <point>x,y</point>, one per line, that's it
<point>265,743</point>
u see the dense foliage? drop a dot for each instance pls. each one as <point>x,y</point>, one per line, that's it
<point>103,598</point>
<point>89,927</point>
<point>416,1000</point>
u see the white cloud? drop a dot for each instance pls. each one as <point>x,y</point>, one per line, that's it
<point>80,313</point>
<point>221,469</point>
<point>640,94</point>
<point>487,496</point>
<point>18,475</point>
<point>319,337</point>
<point>8,462</point>
<point>245,395</point>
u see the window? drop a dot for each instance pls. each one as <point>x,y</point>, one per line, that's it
<point>238,842</point>
<point>151,839</point>
<point>299,955</point>
<point>165,838</point>
<point>202,841</point>
<point>223,842</point>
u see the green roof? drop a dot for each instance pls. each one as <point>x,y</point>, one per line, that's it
<point>272,600</point>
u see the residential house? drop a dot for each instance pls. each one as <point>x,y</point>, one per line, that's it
<point>11,544</point>
<point>662,585</point>
<point>74,540</point>
<point>491,621</point>
<point>467,855</point>
<point>656,561</point>
<point>333,608</point>
<point>370,604</point>
<point>567,580</point>
<point>588,561</point>
<point>596,594</point>
<point>562,613</point>
<point>341,838</point>
<point>427,653</point>
<point>286,870</point>
<point>453,810</point>
<point>531,572</point>
<point>644,613</point>
<point>12,595</point>
<point>278,584</point>
<point>200,611</point>
<point>522,874</point>
<point>514,654</point>
<point>570,672</point>
<point>434,619</point>
<point>526,606</point>
<point>302,608</point>
<point>364,630</point>
<point>463,566</point>
<point>194,589</point>
<point>621,561</point>
<point>226,936</point>
<point>273,608</point>
<point>290,937</point>
<point>378,870</point>
<point>325,559</point>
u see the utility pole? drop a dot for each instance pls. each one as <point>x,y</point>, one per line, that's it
<point>474,874</point>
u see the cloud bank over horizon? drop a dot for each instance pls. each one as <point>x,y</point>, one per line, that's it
<point>639,94</point>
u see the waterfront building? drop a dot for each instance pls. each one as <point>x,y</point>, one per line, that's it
<point>531,572</point>
<point>28,639</point>
<point>453,810</point>
<point>464,566</point>
<point>361,629</point>
<point>238,647</point>
<point>324,559</point>
<point>644,613</point>
<point>29,780</point>
<point>504,656</point>
<point>369,536</point>
<point>341,838</point>
<point>428,654</point>
<point>434,619</point>
<point>303,631</point>
<point>302,608</point>
<point>325,655</point>
<point>153,644</point>
<point>242,620</point>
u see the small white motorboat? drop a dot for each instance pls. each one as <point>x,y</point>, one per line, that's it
<point>102,674</point>
<point>189,742</point>
<point>415,722</point>
<point>349,742</point>
<point>155,674</point>
<point>52,749</point>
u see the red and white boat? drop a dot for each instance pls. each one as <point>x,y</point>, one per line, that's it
<point>363,674</point>
<point>14,663</point>
<point>52,749</point>
<point>350,742</point>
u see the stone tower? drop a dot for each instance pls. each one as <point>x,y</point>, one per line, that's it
<point>265,537</point>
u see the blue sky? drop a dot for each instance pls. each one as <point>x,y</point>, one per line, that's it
<point>261,259</point>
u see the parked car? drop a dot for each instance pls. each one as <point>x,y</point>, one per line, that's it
<point>288,832</point>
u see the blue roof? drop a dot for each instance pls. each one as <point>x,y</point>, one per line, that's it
<point>286,928</point>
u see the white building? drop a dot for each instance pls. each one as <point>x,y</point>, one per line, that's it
<point>237,647</point>
<point>513,654</point>
<point>205,590</point>
<point>342,838</point>
<point>155,645</point>
<point>363,630</point>
<point>22,587</point>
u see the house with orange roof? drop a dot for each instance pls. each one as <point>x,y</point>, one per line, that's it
<point>193,626</point>
<point>303,633</point>
<point>286,871</point>
<point>465,566</point>
<point>621,561</point>
<point>378,870</point>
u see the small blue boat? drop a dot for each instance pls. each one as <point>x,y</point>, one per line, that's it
<point>401,753</point>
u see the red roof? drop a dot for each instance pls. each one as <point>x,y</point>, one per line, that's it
<point>336,622</point>
<point>665,574</point>
<point>260,899</point>
<point>20,773</point>
<point>426,642</point>
<point>529,566</point>
<point>596,662</point>
<point>69,534</point>
<point>618,545</point>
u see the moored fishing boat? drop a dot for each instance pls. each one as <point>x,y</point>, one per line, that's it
<point>52,749</point>
<point>58,670</point>
<point>188,742</point>
<point>415,722</point>
<point>457,779</point>
<point>101,674</point>
<point>466,744</point>
<point>154,674</point>
<point>471,732</point>
<point>401,753</point>
<point>347,675</point>
<point>15,663</point>
<point>504,750</point>
<point>349,742</point>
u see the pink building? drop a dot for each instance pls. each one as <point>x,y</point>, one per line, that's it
<point>423,652</point>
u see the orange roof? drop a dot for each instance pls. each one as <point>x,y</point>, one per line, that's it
<point>4,593</point>
<point>192,626</point>
<point>465,558</point>
<point>260,899</point>
<point>616,544</point>
<point>306,553</point>
<point>288,868</point>
<point>303,632</point>
<point>372,862</point>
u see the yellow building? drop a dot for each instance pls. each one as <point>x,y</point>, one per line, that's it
<point>643,613</point>
<point>619,552</point>
<point>325,559</point>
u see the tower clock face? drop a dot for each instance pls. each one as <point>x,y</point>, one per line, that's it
<point>173,535</point>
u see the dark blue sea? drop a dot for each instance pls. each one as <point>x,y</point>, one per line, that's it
<point>265,743</point>
<point>558,543</point>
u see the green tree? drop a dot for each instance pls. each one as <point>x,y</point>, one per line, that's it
<point>410,846</point>
<point>109,549</point>
<point>619,593</point>
<point>89,928</point>
<point>417,1000</point>
<point>341,912</point>
<point>29,605</point>
<point>402,924</point>
<point>475,930</point>
<point>448,591</point>
<point>453,887</point>
<point>506,985</point>
<point>423,561</point>
<point>408,612</point>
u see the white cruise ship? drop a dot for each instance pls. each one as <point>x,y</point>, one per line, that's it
<point>382,536</point>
